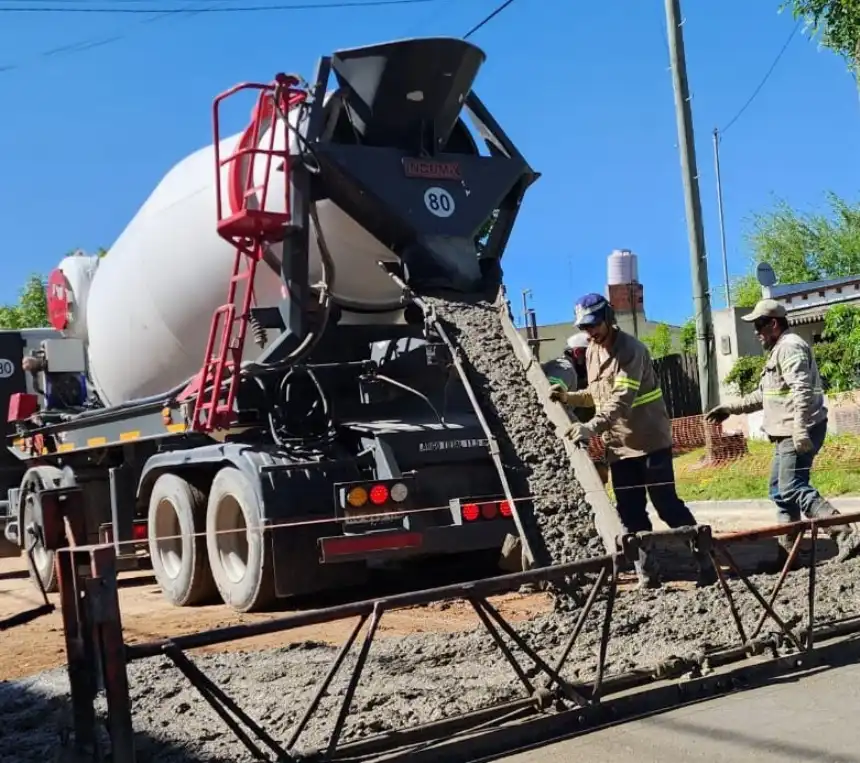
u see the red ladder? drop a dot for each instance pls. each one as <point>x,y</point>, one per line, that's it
<point>249,227</point>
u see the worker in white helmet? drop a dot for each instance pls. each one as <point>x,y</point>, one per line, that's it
<point>570,365</point>
<point>568,371</point>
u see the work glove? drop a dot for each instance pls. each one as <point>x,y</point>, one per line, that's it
<point>579,434</point>
<point>802,442</point>
<point>558,393</point>
<point>718,414</point>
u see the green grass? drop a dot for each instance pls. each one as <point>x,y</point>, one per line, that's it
<point>835,472</point>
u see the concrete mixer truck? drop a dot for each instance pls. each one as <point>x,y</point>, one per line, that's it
<point>244,389</point>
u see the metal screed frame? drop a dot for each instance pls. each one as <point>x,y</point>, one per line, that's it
<point>551,704</point>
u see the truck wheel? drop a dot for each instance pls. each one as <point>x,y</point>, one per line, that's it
<point>177,510</point>
<point>240,556</point>
<point>35,480</point>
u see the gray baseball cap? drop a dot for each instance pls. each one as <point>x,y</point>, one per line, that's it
<point>766,308</point>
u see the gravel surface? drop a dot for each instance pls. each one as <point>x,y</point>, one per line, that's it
<point>534,458</point>
<point>415,679</point>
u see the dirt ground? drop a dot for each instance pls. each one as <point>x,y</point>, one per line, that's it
<point>39,645</point>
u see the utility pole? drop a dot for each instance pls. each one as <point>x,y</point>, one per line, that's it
<point>720,215</point>
<point>693,205</point>
<point>526,294</point>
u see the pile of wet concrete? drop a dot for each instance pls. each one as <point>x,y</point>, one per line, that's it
<point>416,679</point>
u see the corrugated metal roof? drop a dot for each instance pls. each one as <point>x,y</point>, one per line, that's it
<point>789,289</point>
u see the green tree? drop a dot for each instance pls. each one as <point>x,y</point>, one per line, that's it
<point>809,246</point>
<point>835,22</point>
<point>31,311</point>
<point>838,355</point>
<point>801,246</point>
<point>688,337</point>
<point>746,291</point>
<point>659,342</point>
<point>745,373</point>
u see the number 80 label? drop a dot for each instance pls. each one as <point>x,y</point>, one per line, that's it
<point>439,202</point>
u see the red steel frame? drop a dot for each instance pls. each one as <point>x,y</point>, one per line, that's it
<point>249,228</point>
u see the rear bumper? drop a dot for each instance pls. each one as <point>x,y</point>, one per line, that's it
<point>400,544</point>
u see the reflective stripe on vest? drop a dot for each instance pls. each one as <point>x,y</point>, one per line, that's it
<point>648,397</point>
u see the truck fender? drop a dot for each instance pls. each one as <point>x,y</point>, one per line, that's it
<point>205,460</point>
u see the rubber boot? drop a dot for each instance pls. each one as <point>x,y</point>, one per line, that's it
<point>786,543</point>
<point>647,571</point>
<point>847,543</point>
<point>845,537</point>
<point>706,575</point>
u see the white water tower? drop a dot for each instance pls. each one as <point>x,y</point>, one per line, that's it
<point>623,289</point>
<point>622,268</point>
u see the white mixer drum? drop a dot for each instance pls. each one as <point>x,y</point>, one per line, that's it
<point>68,291</point>
<point>150,305</point>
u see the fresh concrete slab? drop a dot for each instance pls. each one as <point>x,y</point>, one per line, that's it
<point>807,719</point>
<point>736,516</point>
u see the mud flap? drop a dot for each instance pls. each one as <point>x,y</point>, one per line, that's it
<point>511,558</point>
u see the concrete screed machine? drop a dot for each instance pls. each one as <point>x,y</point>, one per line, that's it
<point>328,427</point>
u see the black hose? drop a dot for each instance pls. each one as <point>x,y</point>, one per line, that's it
<point>309,443</point>
<point>411,391</point>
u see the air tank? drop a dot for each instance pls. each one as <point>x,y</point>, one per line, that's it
<point>622,268</point>
<point>149,306</point>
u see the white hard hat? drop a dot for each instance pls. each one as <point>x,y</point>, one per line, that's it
<point>577,341</point>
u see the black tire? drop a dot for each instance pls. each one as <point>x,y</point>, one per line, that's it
<point>241,559</point>
<point>35,480</point>
<point>180,564</point>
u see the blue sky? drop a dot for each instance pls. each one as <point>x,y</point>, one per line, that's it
<point>583,88</point>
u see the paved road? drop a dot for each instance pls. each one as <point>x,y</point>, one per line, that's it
<point>813,719</point>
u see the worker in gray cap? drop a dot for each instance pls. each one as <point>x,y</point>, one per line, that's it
<point>795,419</point>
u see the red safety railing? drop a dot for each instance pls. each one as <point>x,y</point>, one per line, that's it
<point>255,220</point>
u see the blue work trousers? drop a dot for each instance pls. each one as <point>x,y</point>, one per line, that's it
<point>789,477</point>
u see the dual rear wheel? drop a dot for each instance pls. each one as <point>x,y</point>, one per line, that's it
<point>204,547</point>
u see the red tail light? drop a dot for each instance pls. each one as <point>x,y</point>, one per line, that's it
<point>470,511</point>
<point>378,494</point>
<point>139,531</point>
<point>488,510</point>
<point>505,509</point>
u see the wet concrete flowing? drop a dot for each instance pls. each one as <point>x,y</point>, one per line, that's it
<point>535,461</point>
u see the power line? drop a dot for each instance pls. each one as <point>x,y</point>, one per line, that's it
<point>489,17</point>
<point>71,8</point>
<point>90,43</point>
<point>763,80</point>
